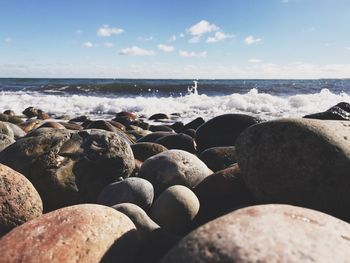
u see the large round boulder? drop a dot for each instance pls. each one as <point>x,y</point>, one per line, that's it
<point>173,167</point>
<point>175,209</point>
<point>69,167</point>
<point>82,233</point>
<point>268,233</point>
<point>133,190</point>
<point>19,201</point>
<point>222,130</point>
<point>302,162</point>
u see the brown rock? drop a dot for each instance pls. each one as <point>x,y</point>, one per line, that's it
<point>144,150</point>
<point>19,201</point>
<point>82,233</point>
<point>268,233</point>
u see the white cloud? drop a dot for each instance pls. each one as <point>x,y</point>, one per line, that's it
<point>194,39</point>
<point>88,44</point>
<point>166,48</point>
<point>8,40</point>
<point>172,38</point>
<point>192,54</point>
<point>254,60</point>
<point>150,38</point>
<point>78,31</point>
<point>219,36</point>
<point>136,51</point>
<point>249,40</point>
<point>108,44</point>
<point>201,28</point>
<point>106,31</point>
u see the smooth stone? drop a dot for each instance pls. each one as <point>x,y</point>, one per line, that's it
<point>5,141</point>
<point>138,134</point>
<point>190,132</point>
<point>301,162</point>
<point>68,167</point>
<point>81,233</point>
<point>9,112</point>
<point>130,115</point>
<point>71,126</point>
<point>17,131</point>
<point>341,111</point>
<point>218,158</point>
<point>173,167</point>
<point>152,137</point>
<point>177,126</point>
<point>117,125</point>
<point>4,117</point>
<point>175,209</point>
<point>194,124</point>
<point>155,242</point>
<point>143,150</point>
<point>19,201</point>
<point>15,119</point>
<point>159,116</point>
<point>222,130</point>
<point>29,125</point>
<point>52,124</point>
<point>221,192</point>
<point>267,233</point>
<point>133,190</point>
<point>103,125</point>
<point>6,129</point>
<point>30,112</point>
<point>155,128</point>
<point>178,141</point>
<point>78,119</point>
<point>42,115</point>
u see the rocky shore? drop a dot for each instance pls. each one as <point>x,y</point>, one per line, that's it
<point>233,188</point>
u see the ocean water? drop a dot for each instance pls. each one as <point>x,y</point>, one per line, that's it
<point>102,98</point>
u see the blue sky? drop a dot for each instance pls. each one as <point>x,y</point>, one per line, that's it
<point>175,39</point>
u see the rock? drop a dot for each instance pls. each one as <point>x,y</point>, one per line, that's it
<point>82,233</point>
<point>78,119</point>
<point>154,241</point>
<point>220,193</point>
<point>133,190</point>
<point>179,141</point>
<point>71,126</point>
<point>159,116</point>
<point>175,209</point>
<point>195,124</point>
<point>103,125</point>
<point>173,167</point>
<point>137,169</point>
<point>15,119</point>
<point>6,129</point>
<point>19,201</point>
<point>30,112</point>
<point>52,124</point>
<point>69,167</point>
<point>144,150</point>
<point>152,137</point>
<point>218,158</point>
<point>117,125</point>
<point>30,125</point>
<point>190,132</point>
<point>10,112</point>
<point>42,115</point>
<point>137,134</point>
<point>5,141</point>
<point>268,233</point>
<point>302,162</point>
<point>177,126</point>
<point>17,131</point>
<point>341,111</point>
<point>222,130</point>
<point>125,118</point>
<point>155,128</point>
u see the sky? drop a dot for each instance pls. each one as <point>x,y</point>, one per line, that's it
<point>207,39</point>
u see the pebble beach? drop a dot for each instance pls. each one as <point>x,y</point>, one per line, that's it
<point>232,188</point>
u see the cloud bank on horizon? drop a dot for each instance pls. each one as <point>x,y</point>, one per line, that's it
<point>230,39</point>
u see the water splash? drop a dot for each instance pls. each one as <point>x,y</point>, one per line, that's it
<point>193,89</point>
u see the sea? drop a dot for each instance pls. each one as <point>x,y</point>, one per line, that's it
<point>187,98</point>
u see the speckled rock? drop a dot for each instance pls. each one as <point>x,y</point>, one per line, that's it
<point>133,190</point>
<point>6,129</point>
<point>82,233</point>
<point>268,233</point>
<point>222,130</point>
<point>5,141</point>
<point>173,167</point>
<point>19,201</point>
<point>69,167</point>
<point>144,150</point>
<point>220,193</point>
<point>218,158</point>
<point>179,141</point>
<point>301,162</point>
<point>175,209</point>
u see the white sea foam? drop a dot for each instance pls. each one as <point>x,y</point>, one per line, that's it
<point>190,106</point>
